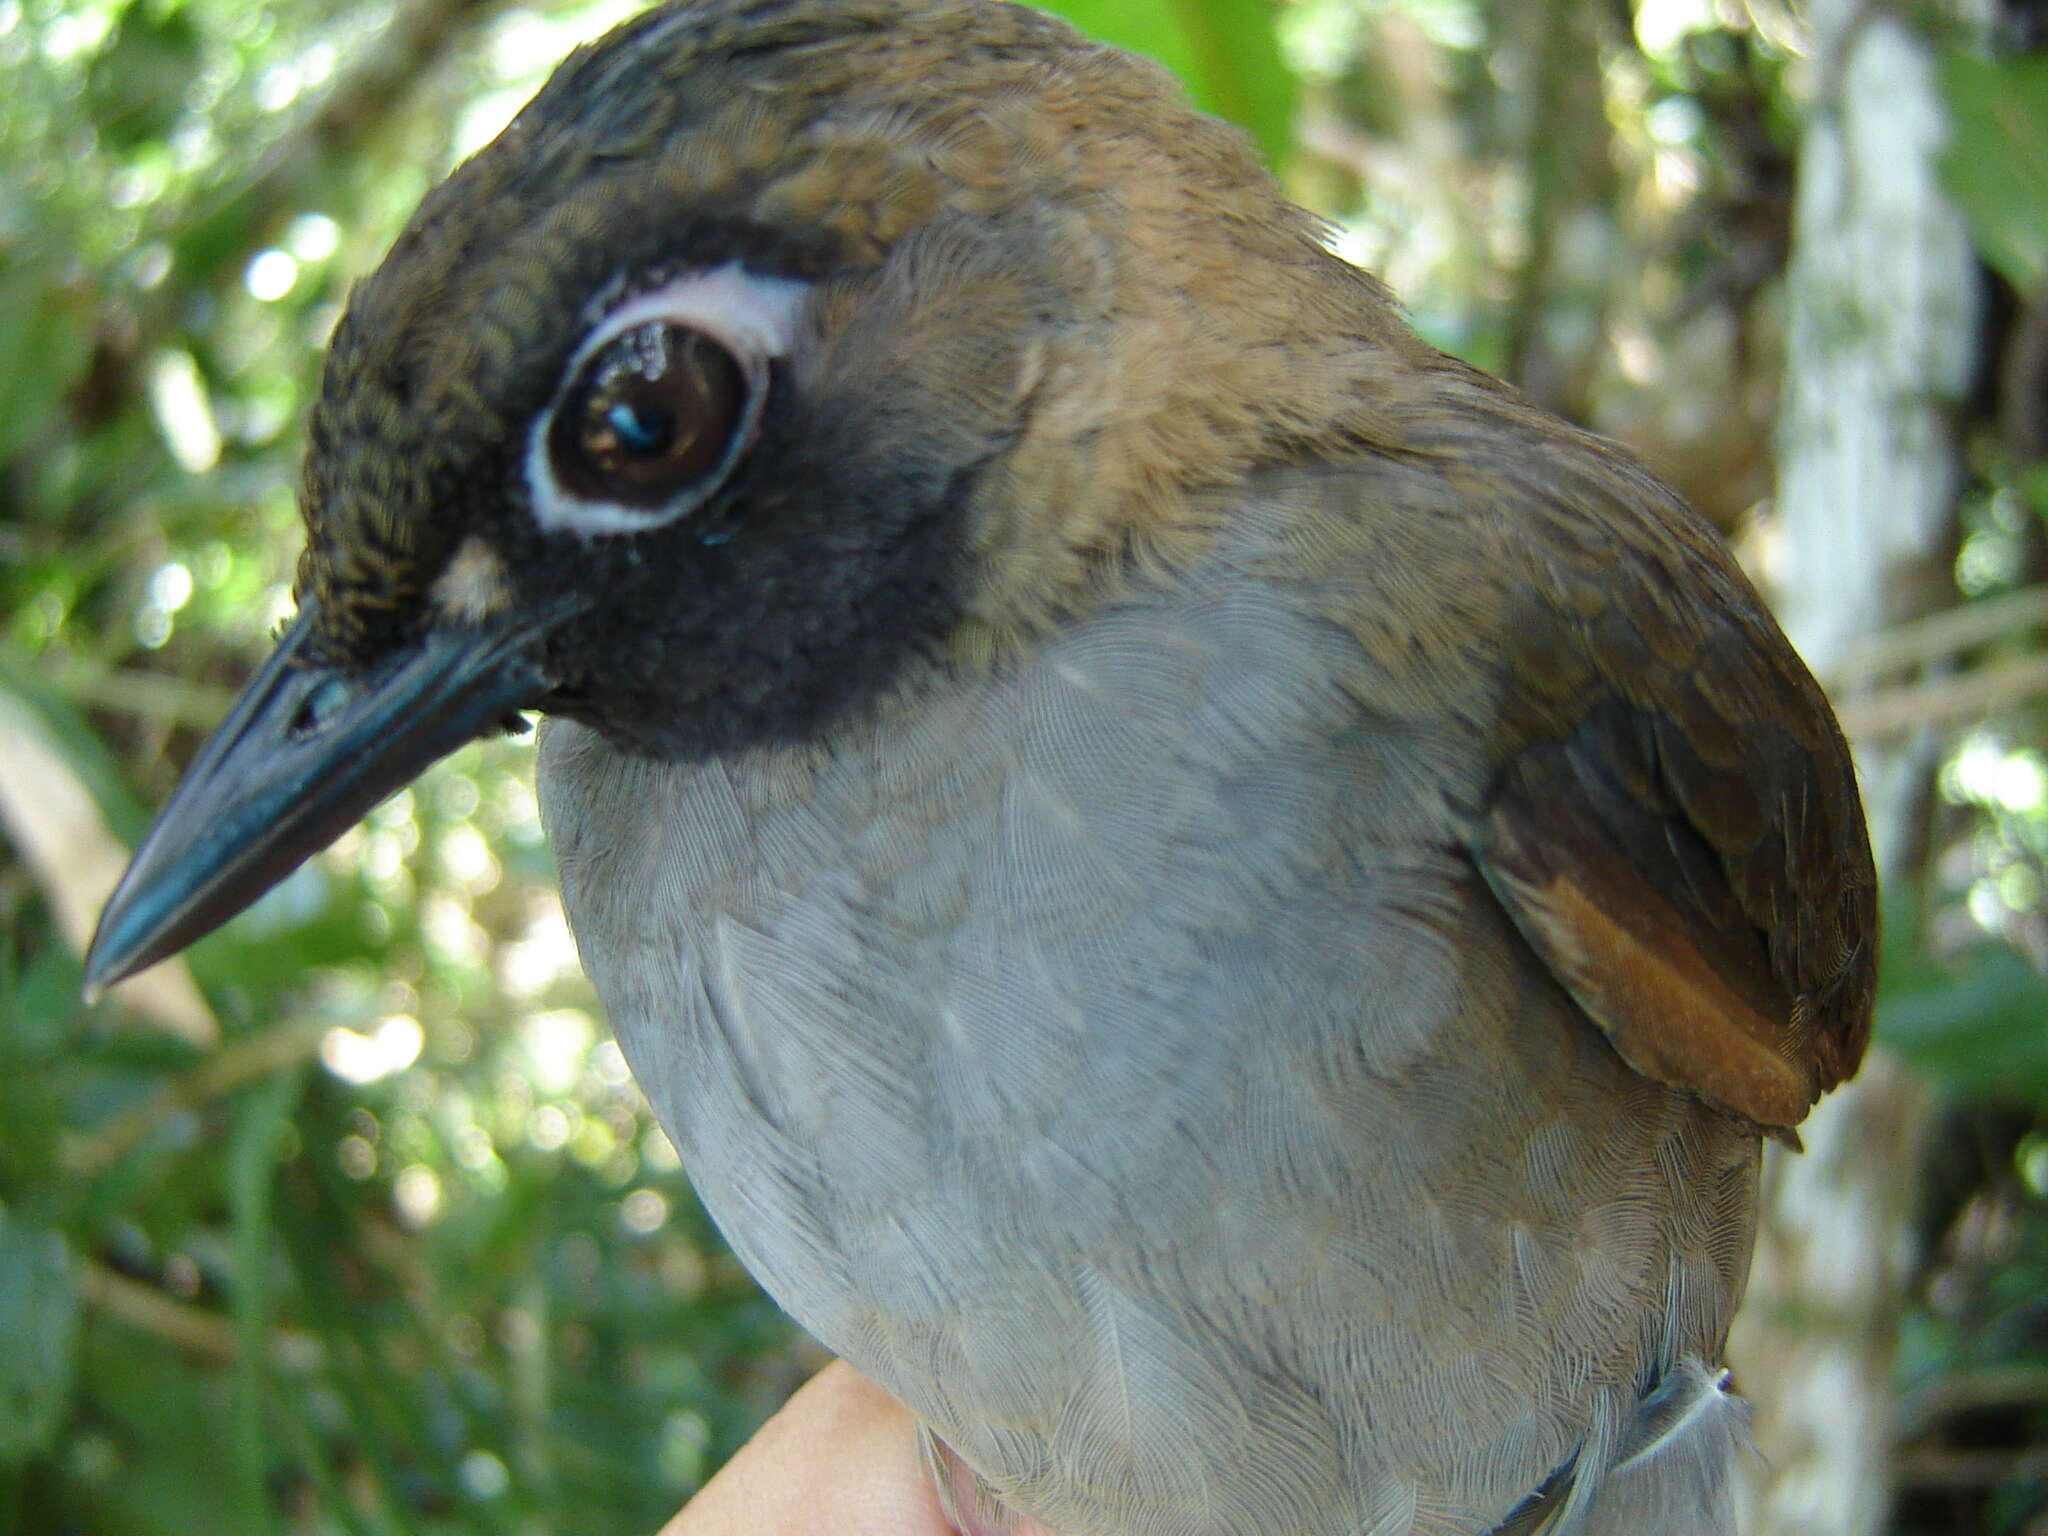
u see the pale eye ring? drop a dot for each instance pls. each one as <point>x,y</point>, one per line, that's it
<point>659,402</point>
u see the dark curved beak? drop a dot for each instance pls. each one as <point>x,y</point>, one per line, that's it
<point>304,752</point>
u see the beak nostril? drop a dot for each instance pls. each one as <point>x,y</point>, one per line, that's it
<point>323,701</point>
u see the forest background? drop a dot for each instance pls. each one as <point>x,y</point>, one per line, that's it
<point>354,1222</point>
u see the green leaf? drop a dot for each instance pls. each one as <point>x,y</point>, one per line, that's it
<point>1997,160</point>
<point>1225,51</point>
<point>38,1337</point>
<point>43,344</point>
<point>1973,1023</point>
<point>2032,483</point>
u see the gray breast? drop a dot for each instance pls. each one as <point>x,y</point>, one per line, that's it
<point>1117,1060</point>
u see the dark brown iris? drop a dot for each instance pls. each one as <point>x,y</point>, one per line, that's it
<point>649,416</point>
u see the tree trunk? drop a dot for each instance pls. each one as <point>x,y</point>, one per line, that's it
<point>1881,302</point>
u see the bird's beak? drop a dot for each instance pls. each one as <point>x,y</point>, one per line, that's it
<point>304,752</point>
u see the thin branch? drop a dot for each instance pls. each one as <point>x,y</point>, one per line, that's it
<point>1939,635</point>
<point>243,1061</point>
<point>148,1310</point>
<point>1971,1469</point>
<point>1944,700</point>
<point>2016,1386</point>
<point>146,695</point>
<point>180,1324</point>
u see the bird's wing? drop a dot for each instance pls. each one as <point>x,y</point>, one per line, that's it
<point>1673,821</point>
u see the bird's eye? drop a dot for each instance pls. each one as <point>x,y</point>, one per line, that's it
<point>659,402</point>
<point>651,414</point>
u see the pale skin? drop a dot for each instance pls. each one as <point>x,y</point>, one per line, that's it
<point>839,1458</point>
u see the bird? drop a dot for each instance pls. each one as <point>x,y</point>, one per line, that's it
<point>1212,898</point>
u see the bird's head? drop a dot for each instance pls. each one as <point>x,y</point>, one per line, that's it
<point>776,349</point>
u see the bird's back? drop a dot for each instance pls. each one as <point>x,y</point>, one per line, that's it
<point>1119,1056</point>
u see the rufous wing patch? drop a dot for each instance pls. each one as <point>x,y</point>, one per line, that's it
<point>1679,1000</point>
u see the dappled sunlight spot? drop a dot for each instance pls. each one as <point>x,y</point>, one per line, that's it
<point>2032,1161</point>
<point>72,33</point>
<point>558,1044</point>
<point>170,586</point>
<point>455,795</point>
<point>1662,26</point>
<point>608,1064</point>
<point>594,1144</point>
<point>134,186</point>
<point>1636,352</point>
<point>684,1270</point>
<point>2020,785</point>
<point>518,809</point>
<point>279,86</point>
<point>276,607</point>
<point>657,1151</point>
<point>183,409</point>
<point>684,1448</point>
<point>390,1045</point>
<point>549,1127</point>
<point>312,237</point>
<point>1987,772</point>
<point>152,628</point>
<point>416,1195</point>
<point>483,1476</point>
<point>644,1211</point>
<point>474,1149</point>
<point>486,117</point>
<point>450,931</point>
<point>258,417</point>
<point>622,1167</point>
<point>150,265</point>
<point>1675,120</point>
<point>1986,910</point>
<point>319,60</point>
<point>42,618</point>
<point>357,1158</point>
<point>466,858</point>
<point>380,854</point>
<point>519,1330</point>
<point>270,275</point>
<point>542,955</point>
<point>522,44</point>
<point>454,1041</point>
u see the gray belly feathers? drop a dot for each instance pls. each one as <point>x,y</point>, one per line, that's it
<point>1118,1060</point>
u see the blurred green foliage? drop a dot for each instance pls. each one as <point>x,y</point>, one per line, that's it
<point>1997,163</point>
<point>404,1252</point>
<point>399,1249</point>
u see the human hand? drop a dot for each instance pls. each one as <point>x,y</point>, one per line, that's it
<point>840,1457</point>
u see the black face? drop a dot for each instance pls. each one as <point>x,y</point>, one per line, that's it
<point>786,596</point>
<point>755,512</point>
